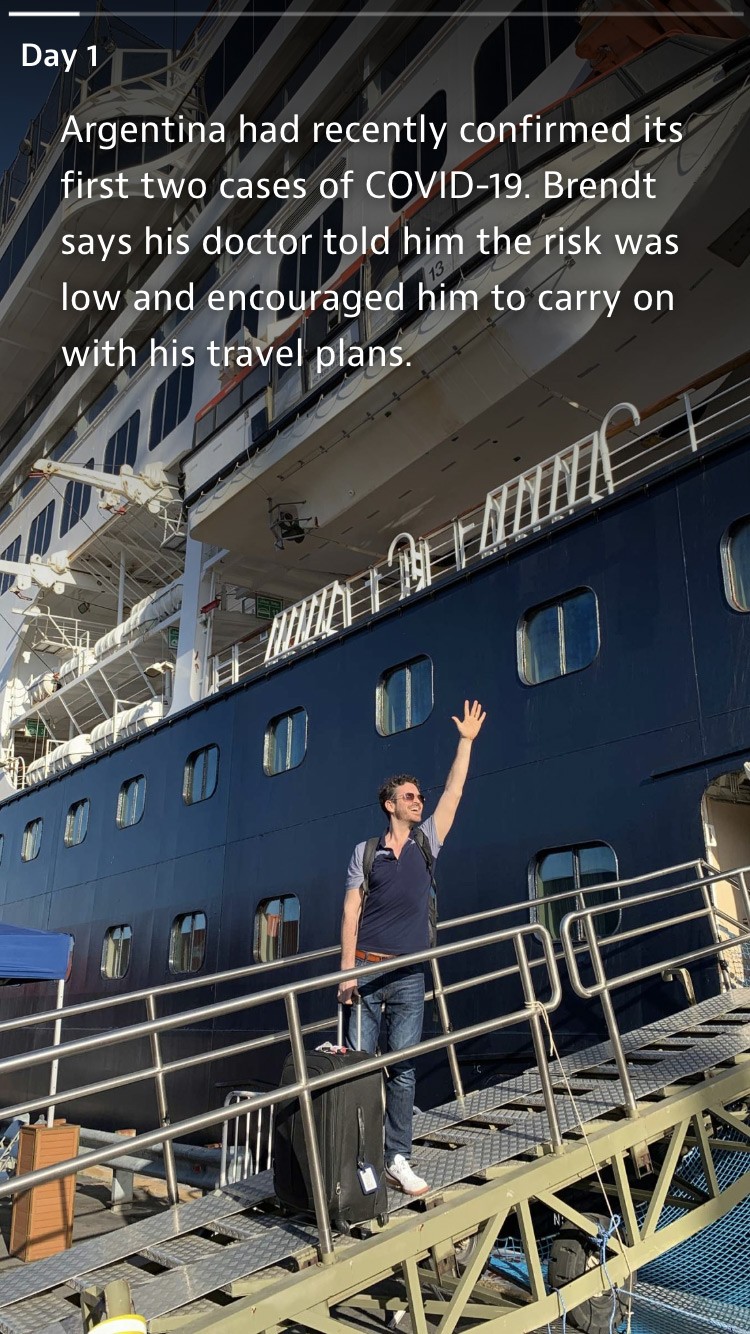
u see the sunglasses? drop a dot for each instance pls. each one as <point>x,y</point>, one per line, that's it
<point>412,796</point>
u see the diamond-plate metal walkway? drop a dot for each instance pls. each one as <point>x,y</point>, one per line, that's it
<point>229,1262</point>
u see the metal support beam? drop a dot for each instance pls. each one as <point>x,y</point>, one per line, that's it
<point>671,1158</point>
<point>706,1157</point>
<point>414,1296</point>
<point>163,1106</point>
<point>625,1199</point>
<point>465,1285</point>
<point>531,1251</point>
<point>395,1254</point>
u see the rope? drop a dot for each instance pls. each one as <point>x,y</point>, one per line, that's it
<point>615,1221</point>
<point>603,1236</point>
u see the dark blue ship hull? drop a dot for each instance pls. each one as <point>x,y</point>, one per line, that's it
<point>619,753</point>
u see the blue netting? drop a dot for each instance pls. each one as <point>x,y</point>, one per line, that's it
<point>665,1311</point>
<point>701,1286</point>
<point>704,1283</point>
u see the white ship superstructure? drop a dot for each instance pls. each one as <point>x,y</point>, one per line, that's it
<point>221,496</point>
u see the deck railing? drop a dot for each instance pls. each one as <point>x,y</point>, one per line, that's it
<point>575,479</point>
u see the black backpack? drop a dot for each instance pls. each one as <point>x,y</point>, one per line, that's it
<point>422,842</point>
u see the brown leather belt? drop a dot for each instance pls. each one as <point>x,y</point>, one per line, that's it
<point>367,956</point>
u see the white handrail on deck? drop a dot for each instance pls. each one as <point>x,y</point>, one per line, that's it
<point>575,478</point>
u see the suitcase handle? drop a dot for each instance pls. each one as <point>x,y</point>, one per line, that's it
<point>357,1003</point>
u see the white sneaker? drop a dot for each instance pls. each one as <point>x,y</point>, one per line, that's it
<point>401,1175</point>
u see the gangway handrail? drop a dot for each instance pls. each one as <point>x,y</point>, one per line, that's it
<point>250,1000</point>
<point>256,970</point>
<point>440,992</point>
<point>533,904</point>
<point>698,864</point>
<point>533,1012</point>
<point>636,975</point>
<point>604,984</point>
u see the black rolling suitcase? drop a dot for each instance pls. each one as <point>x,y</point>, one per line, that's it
<point>349,1127</point>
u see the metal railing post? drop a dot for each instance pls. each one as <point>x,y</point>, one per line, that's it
<point>744,896</point>
<point>170,1168</point>
<point>308,1124</point>
<point>690,422</point>
<point>610,1017</point>
<point>709,903</point>
<point>230,1099</point>
<point>447,1027</point>
<point>537,1035</point>
<point>55,1067</point>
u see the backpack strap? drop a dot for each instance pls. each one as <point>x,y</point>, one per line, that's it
<point>423,843</point>
<point>371,847</point>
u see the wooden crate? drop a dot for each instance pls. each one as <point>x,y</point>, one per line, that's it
<point>42,1220</point>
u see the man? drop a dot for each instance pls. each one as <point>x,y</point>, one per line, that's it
<point>393,919</point>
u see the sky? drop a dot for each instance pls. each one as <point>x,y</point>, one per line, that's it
<point>24,90</point>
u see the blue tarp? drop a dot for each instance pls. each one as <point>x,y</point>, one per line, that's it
<point>32,956</point>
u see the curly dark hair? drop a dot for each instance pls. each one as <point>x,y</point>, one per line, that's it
<point>388,790</point>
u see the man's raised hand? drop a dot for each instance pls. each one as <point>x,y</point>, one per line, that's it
<point>471,724</point>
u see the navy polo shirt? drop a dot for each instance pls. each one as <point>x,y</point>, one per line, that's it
<point>396,915</point>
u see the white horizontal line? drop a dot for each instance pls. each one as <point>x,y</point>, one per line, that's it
<point>378,14</point>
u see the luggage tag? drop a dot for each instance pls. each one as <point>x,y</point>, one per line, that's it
<point>368,1179</point>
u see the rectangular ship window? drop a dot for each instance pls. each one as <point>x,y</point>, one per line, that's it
<point>276,928</point>
<point>558,637</point>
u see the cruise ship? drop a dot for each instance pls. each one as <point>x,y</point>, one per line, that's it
<point>240,587</point>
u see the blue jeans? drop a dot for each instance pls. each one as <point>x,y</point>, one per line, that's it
<point>401,993</point>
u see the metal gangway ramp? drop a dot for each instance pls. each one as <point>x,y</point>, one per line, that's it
<point>612,1122</point>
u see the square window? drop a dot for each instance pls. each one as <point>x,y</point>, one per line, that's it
<point>404,696</point>
<point>491,76</point>
<point>187,943</point>
<point>422,155</point>
<point>76,503</point>
<point>736,563</point>
<point>40,532</point>
<point>11,553</point>
<point>131,801</point>
<point>201,775</point>
<point>559,876</point>
<point>276,928</point>
<point>122,447</point>
<point>286,742</point>
<point>32,841</point>
<point>116,951</point>
<point>171,404</point>
<point>559,637</point>
<point>76,823</point>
